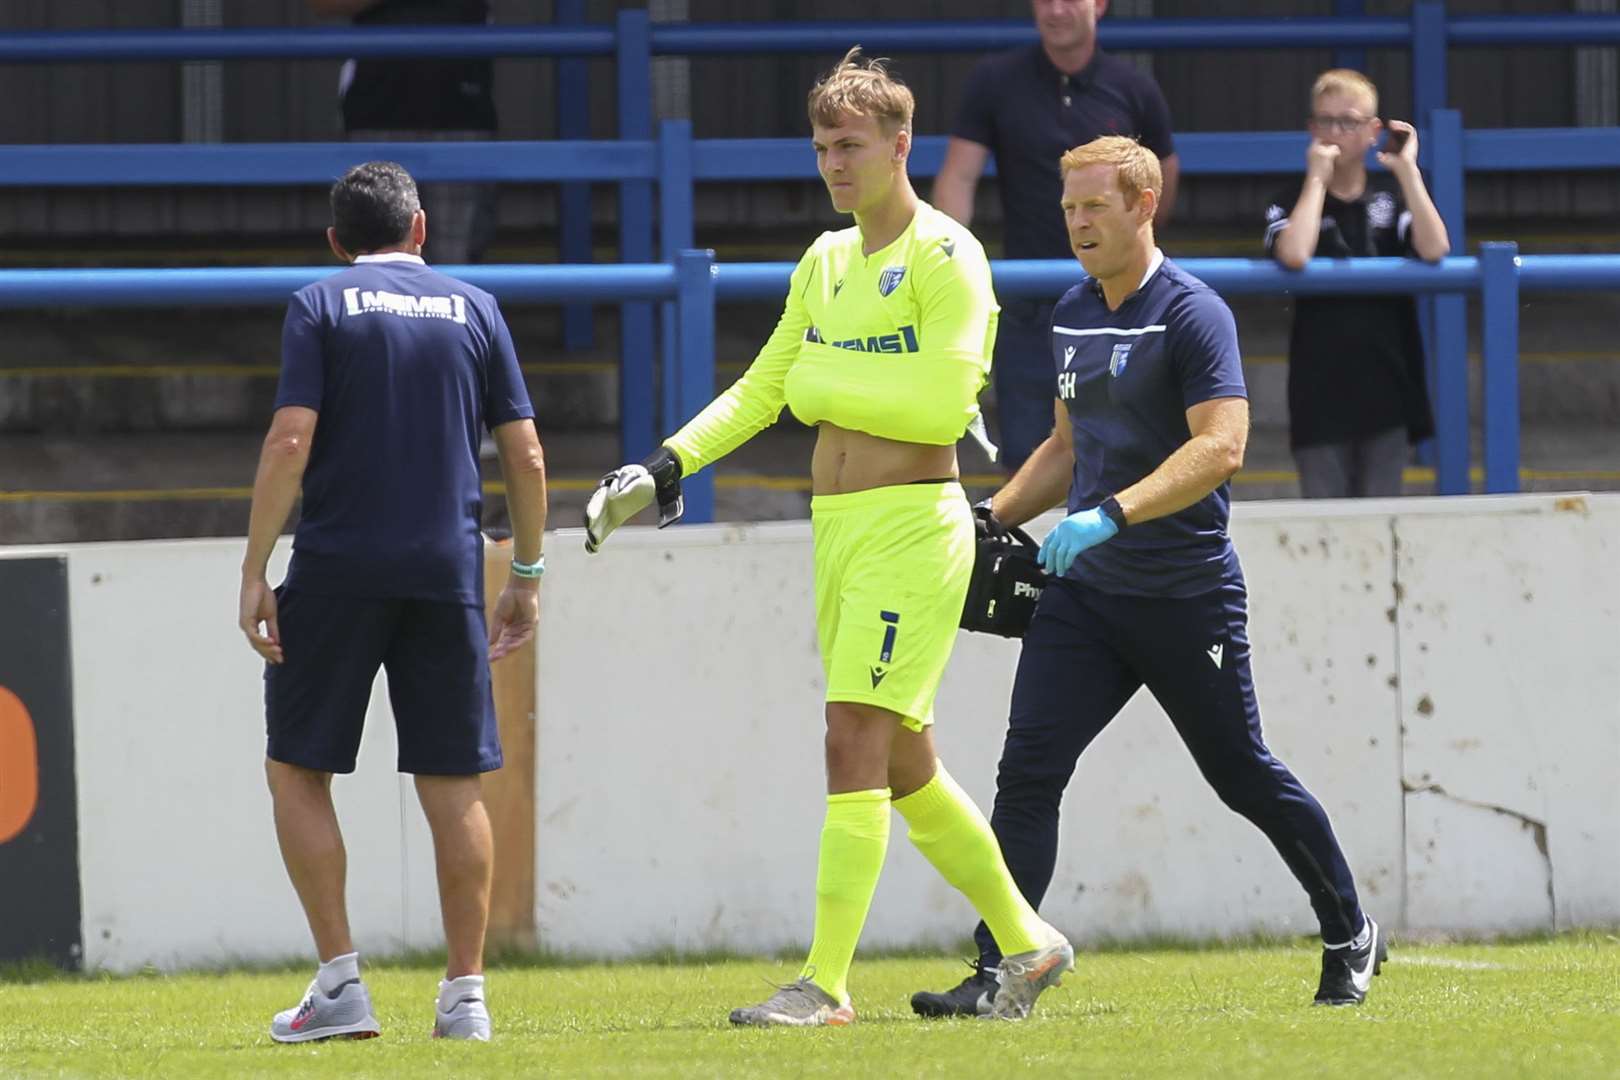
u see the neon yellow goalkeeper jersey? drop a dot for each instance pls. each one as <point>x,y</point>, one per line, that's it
<point>896,344</point>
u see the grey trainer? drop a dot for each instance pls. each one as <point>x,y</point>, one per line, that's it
<point>1024,976</point>
<point>800,1004</point>
<point>345,1014</point>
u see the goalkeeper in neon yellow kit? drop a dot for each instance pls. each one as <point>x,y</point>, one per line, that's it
<point>883,344</point>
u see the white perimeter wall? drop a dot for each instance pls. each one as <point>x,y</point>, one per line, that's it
<point>178,862</point>
<point>1443,674</point>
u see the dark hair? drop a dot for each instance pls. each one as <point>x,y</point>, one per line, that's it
<point>372,206</point>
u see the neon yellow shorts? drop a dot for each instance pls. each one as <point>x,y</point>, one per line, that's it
<point>892,569</point>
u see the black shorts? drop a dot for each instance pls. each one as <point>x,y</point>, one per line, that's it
<point>437,659</point>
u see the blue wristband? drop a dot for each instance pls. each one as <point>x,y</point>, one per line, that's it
<point>529,570</point>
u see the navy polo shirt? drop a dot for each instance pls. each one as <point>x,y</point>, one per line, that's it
<point>406,367</point>
<point>1127,379</point>
<point>1028,113</point>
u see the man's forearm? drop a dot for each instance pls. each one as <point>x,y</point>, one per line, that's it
<point>1296,241</point>
<point>1167,199</point>
<point>1199,466</point>
<point>526,504</point>
<point>275,489</point>
<point>953,195</point>
<point>1041,484</point>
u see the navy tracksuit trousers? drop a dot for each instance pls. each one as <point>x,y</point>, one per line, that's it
<point>1085,654</point>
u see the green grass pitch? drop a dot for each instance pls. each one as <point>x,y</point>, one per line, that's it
<point>1534,1009</point>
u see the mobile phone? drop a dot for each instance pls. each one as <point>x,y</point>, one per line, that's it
<point>1396,141</point>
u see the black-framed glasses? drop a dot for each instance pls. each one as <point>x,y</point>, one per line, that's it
<point>1342,125</point>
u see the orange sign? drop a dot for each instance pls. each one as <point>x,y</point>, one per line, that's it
<point>19,766</point>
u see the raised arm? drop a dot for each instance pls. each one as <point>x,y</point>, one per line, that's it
<point>1292,239</point>
<point>1428,237</point>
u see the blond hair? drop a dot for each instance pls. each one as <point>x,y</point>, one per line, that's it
<point>1347,82</point>
<point>861,87</point>
<point>1138,166</point>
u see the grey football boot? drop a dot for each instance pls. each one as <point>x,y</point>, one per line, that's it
<point>799,1004</point>
<point>1024,976</point>
<point>343,1014</point>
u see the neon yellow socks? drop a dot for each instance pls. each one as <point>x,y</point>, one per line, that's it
<point>854,840</point>
<point>952,834</point>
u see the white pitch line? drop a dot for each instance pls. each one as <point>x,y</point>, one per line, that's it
<point>1446,962</point>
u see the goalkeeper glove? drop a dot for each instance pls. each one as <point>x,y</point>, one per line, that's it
<point>623,492</point>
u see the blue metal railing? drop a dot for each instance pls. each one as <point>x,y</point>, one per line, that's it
<point>640,159</point>
<point>694,284</point>
<point>724,38</point>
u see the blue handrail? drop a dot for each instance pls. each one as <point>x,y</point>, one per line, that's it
<point>633,40</point>
<point>273,285</point>
<point>696,284</point>
<point>276,164</point>
<point>1533,30</point>
<point>734,282</point>
<point>272,164</point>
<point>56,47</point>
<point>988,34</point>
<point>712,38</point>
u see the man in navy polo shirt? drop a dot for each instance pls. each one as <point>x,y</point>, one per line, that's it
<point>1152,418</point>
<point>403,368</point>
<point>1027,107</point>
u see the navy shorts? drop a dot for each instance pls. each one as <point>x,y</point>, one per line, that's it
<point>437,659</point>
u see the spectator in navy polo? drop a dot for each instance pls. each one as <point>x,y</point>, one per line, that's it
<point>1027,107</point>
<point>1357,396</point>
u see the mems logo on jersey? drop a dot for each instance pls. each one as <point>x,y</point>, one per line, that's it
<point>903,340</point>
<point>369,301</point>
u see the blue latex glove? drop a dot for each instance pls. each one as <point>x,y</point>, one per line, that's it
<point>1075,533</point>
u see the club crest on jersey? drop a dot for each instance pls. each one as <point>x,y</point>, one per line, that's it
<point>889,280</point>
<point>1381,210</point>
<point>1119,358</point>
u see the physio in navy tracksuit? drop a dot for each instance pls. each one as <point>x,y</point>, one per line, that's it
<point>1152,418</point>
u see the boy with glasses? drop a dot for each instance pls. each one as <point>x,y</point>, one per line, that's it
<point>1356,389</point>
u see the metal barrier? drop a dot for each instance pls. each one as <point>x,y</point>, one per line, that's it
<point>677,162</point>
<point>694,283</point>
